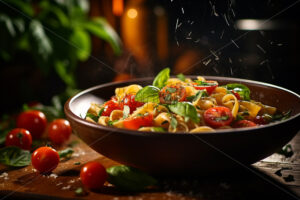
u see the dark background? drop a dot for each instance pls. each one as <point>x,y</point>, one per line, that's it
<point>270,55</point>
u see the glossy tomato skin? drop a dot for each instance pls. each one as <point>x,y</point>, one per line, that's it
<point>110,106</point>
<point>93,175</point>
<point>243,124</point>
<point>129,100</point>
<point>236,95</point>
<point>19,137</point>
<point>138,122</point>
<point>209,88</point>
<point>218,116</point>
<point>34,121</point>
<point>59,131</point>
<point>45,159</point>
<point>171,93</point>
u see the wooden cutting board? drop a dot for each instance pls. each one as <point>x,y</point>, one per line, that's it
<point>26,183</point>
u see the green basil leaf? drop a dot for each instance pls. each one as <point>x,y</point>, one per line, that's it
<point>66,153</point>
<point>148,94</point>
<point>199,94</point>
<point>185,109</point>
<point>241,89</point>
<point>14,156</point>
<point>93,117</point>
<point>129,178</point>
<point>158,129</point>
<point>173,122</point>
<point>162,77</point>
<point>181,77</point>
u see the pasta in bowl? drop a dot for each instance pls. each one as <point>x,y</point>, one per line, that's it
<point>156,149</point>
<point>183,105</point>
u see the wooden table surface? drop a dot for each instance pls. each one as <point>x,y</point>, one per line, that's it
<point>250,182</point>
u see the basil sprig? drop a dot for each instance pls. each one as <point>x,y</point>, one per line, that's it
<point>185,109</point>
<point>161,79</point>
<point>148,94</point>
<point>14,156</point>
<point>129,178</point>
<point>241,89</point>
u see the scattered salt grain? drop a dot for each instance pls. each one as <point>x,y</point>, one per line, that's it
<point>53,176</point>
<point>72,181</point>
<point>3,175</point>
<point>66,187</point>
<point>60,183</point>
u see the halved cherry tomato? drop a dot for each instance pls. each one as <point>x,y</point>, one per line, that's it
<point>138,122</point>
<point>218,116</point>
<point>34,121</point>
<point>209,86</point>
<point>236,95</point>
<point>93,175</point>
<point>59,131</point>
<point>129,100</point>
<point>172,93</point>
<point>110,106</point>
<point>45,159</point>
<point>243,123</point>
<point>19,137</point>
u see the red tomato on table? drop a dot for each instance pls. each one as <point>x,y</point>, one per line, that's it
<point>59,131</point>
<point>138,122</point>
<point>34,121</point>
<point>171,93</point>
<point>45,159</point>
<point>93,175</point>
<point>19,137</point>
<point>129,100</point>
<point>209,86</point>
<point>243,124</point>
<point>218,116</point>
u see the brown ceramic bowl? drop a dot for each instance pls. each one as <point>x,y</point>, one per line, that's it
<point>178,153</point>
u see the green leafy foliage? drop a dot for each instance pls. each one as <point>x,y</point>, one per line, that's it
<point>66,153</point>
<point>241,89</point>
<point>162,77</point>
<point>129,178</point>
<point>185,109</point>
<point>148,94</point>
<point>14,156</point>
<point>57,35</point>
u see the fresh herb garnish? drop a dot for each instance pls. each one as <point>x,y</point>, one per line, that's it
<point>173,122</point>
<point>148,94</point>
<point>14,156</point>
<point>281,116</point>
<point>185,109</point>
<point>239,117</point>
<point>93,117</point>
<point>199,95</point>
<point>66,153</point>
<point>170,89</point>
<point>241,89</point>
<point>77,163</point>
<point>181,77</point>
<point>129,179</point>
<point>204,83</point>
<point>158,129</point>
<point>80,192</point>
<point>287,151</point>
<point>111,123</point>
<point>222,118</point>
<point>162,77</point>
<point>100,112</point>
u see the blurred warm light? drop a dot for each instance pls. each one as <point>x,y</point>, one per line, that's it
<point>254,24</point>
<point>122,77</point>
<point>161,32</point>
<point>118,7</point>
<point>132,13</point>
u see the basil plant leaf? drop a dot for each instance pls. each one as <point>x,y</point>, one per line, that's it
<point>14,156</point>
<point>148,94</point>
<point>162,77</point>
<point>185,109</point>
<point>241,89</point>
<point>129,178</point>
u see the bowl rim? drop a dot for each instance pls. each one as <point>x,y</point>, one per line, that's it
<point>69,113</point>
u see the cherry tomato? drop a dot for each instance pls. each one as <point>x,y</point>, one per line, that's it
<point>19,137</point>
<point>171,93</point>
<point>110,106</point>
<point>93,175</point>
<point>34,121</point>
<point>59,131</point>
<point>243,123</point>
<point>45,159</point>
<point>218,116</point>
<point>209,86</point>
<point>129,100</point>
<point>138,122</point>
<point>236,95</point>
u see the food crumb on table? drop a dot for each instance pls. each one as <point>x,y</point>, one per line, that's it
<point>66,187</point>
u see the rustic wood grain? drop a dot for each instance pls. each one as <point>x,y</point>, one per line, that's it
<point>246,183</point>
